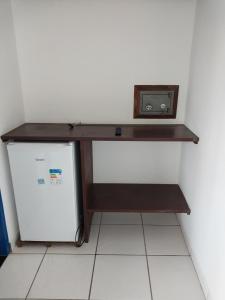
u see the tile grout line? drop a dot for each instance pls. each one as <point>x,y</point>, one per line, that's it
<point>190,256</point>
<point>185,242</point>
<point>139,224</point>
<point>96,254</point>
<point>92,276</point>
<point>36,273</point>
<point>177,219</point>
<point>158,225</point>
<point>101,254</point>
<point>146,256</point>
<point>28,253</point>
<point>116,254</point>
<point>122,224</point>
<point>205,296</point>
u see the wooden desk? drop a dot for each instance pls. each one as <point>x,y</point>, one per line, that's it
<point>117,197</point>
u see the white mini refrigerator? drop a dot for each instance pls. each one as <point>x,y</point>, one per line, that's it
<point>45,181</point>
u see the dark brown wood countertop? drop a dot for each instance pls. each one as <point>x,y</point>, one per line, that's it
<point>56,132</point>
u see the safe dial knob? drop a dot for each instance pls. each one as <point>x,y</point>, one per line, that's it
<point>148,107</point>
<point>163,106</point>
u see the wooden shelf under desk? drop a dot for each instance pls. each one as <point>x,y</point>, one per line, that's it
<point>111,197</point>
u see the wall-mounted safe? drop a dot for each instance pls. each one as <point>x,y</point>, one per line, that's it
<point>155,101</point>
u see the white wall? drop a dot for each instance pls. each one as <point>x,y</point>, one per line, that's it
<point>11,108</point>
<point>82,58</point>
<point>79,61</point>
<point>203,166</point>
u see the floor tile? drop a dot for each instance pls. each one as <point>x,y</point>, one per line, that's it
<point>160,219</point>
<point>163,240</point>
<point>63,277</point>
<point>121,239</point>
<point>121,218</point>
<point>120,278</point>
<point>96,218</point>
<point>17,274</point>
<point>86,248</point>
<point>174,278</point>
<point>29,248</point>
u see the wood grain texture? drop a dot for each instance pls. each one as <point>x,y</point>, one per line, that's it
<point>87,181</point>
<point>111,197</point>
<point>59,132</point>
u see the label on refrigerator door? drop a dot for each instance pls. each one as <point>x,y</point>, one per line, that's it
<point>55,176</point>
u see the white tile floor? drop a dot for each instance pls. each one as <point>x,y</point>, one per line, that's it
<point>129,256</point>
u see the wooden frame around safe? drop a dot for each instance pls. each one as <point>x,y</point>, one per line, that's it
<point>137,101</point>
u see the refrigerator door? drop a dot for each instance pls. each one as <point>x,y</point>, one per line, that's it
<point>44,181</point>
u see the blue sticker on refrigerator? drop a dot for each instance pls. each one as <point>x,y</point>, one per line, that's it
<point>55,176</point>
